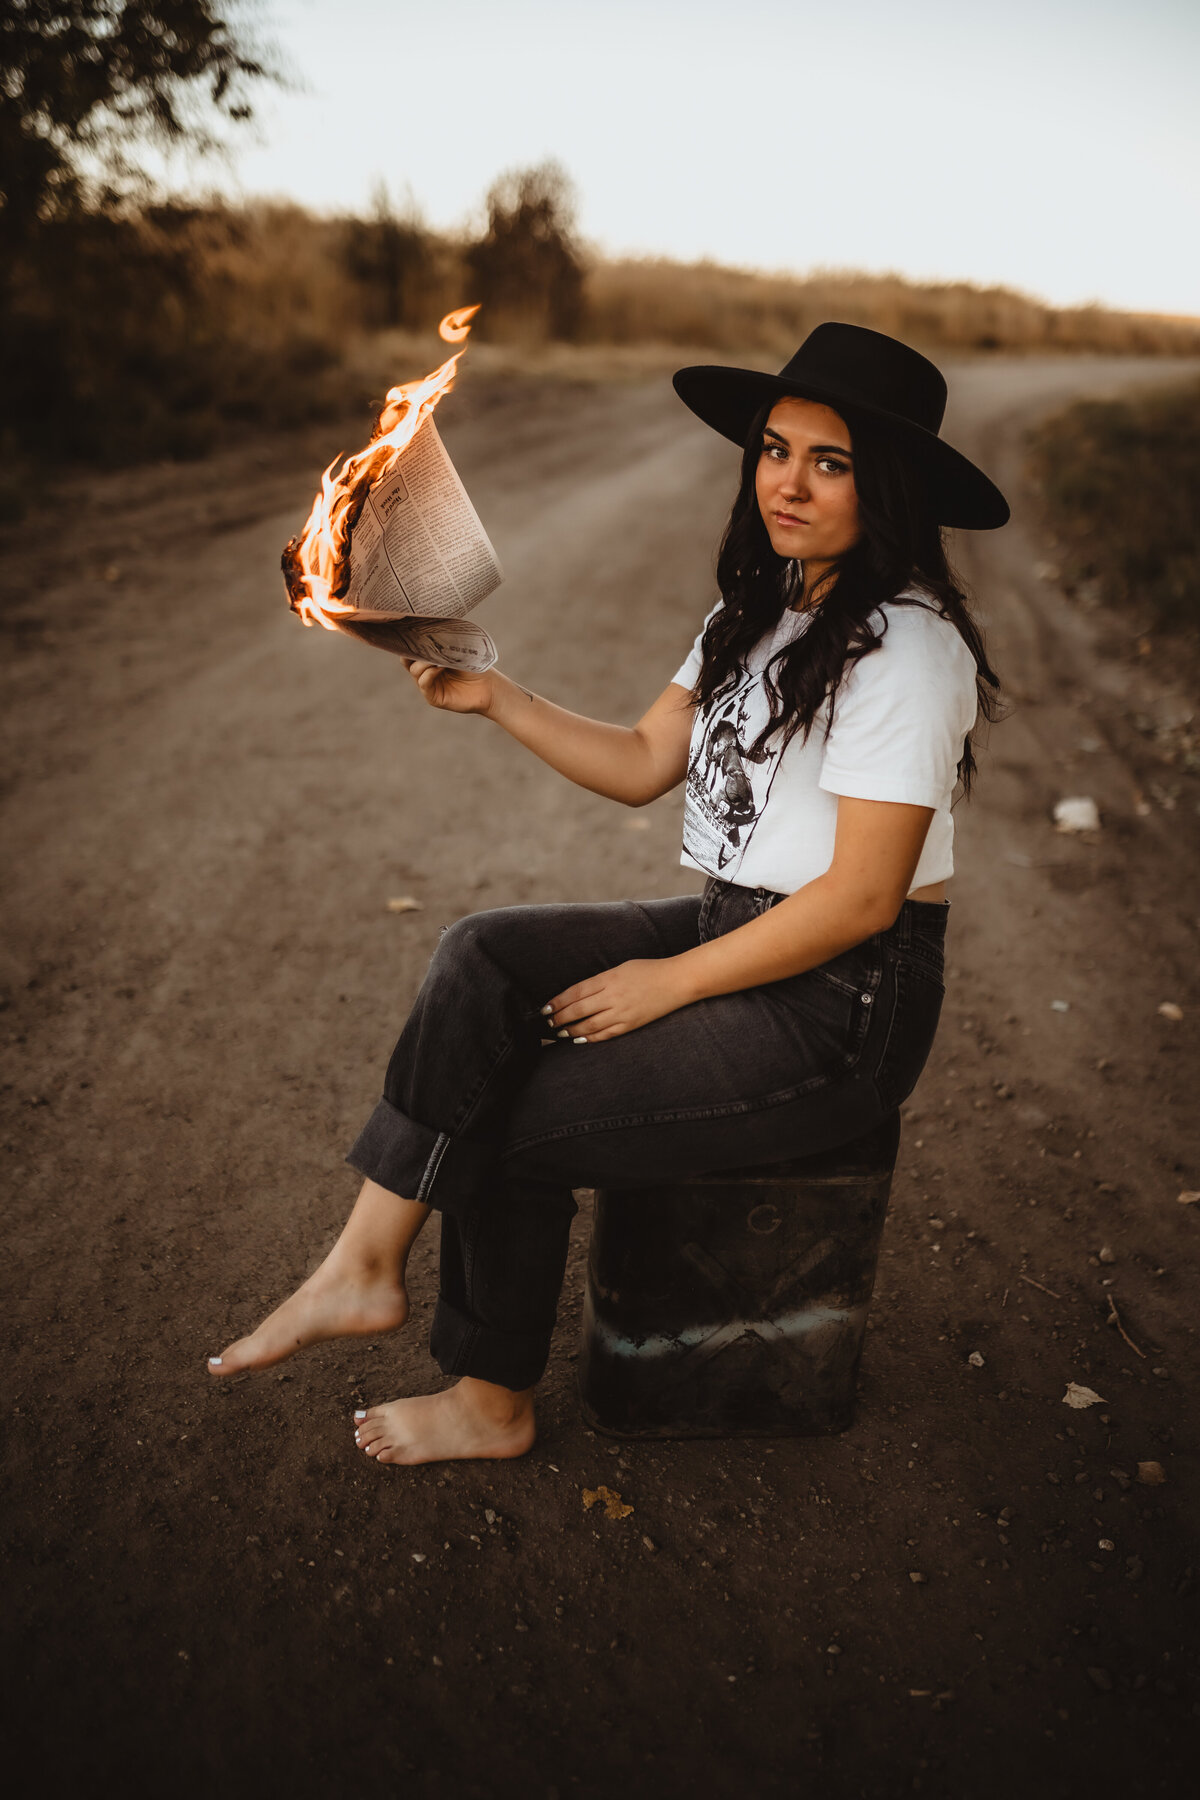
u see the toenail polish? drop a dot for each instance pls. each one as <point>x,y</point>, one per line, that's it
<point>360,1415</point>
<point>214,1362</point>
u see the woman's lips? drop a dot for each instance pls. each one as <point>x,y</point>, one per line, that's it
<point>787,520</point>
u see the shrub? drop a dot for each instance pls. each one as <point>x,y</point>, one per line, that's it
<point>1120,481</point>
<point>393,258</point>
<point>138,333</point>
<point>526,268</point>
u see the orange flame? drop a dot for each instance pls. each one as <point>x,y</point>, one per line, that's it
<point>316,564</point>
<point>456,325</point>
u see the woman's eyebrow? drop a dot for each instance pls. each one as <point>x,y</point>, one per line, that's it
<point>813,449</point>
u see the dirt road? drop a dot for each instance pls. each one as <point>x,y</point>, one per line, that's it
<point>207,809</point>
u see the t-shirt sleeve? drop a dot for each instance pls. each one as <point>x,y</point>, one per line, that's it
<point>687,674</point>
<point>902,714</point>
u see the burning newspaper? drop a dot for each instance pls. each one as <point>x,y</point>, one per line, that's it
<point>393,551</point>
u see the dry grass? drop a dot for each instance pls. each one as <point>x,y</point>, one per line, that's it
<point>634,302</point>
<point>150,334</point>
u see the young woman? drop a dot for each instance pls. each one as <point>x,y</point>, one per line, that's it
<point>821,723</point>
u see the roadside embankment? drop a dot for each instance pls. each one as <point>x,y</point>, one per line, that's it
<point>1120,484</point>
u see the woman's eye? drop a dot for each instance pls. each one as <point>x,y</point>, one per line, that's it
<point>831,466</point>
<point>775,450</point>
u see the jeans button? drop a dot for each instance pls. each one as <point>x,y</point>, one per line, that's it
<point>866,999</point>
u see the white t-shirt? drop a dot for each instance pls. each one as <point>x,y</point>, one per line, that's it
<point>899,721</point>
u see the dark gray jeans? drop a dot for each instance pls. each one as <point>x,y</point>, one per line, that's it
<point>485,1120</point>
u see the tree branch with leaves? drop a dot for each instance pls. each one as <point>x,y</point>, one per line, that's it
<point>82,82</point>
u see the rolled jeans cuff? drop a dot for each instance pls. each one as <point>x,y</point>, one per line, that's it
<point>419,1163</point>
<point>460,1345</point>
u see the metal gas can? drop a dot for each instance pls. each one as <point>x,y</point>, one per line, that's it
<point>735,1304</point>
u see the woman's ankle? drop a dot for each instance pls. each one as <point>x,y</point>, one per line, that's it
<point>505,1406</point>
<point>379,1234</point>
<point>349,1263</point>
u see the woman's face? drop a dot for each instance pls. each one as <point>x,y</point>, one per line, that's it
<point>805,482</point>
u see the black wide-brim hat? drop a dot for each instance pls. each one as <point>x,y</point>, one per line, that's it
<point>854,371</point>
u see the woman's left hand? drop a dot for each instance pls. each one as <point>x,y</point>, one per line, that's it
<point>619,1000</point>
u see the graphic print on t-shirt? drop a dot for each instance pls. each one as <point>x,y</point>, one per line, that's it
<point>728,782</point>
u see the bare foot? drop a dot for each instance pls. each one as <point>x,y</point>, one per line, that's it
<point>358,1291</point>
<point>334,1302</point>
<point>473,1419</point>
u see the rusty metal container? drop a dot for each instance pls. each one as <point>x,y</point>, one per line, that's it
<point>735,1304</point>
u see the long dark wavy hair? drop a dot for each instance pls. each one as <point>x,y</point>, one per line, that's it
<point>900,548</point>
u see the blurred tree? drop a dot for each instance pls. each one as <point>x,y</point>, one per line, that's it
<point>527,267</point>
<point>389,255</point>
<point>97,296</point>
<point>81,80</point>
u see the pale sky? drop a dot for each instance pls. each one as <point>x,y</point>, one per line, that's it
<point>1050,145</point>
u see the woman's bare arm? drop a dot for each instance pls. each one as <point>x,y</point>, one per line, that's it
<point>630,763</point>
<point>877,848</point>
<point>633,764</point>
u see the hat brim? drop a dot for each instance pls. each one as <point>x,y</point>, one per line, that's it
<point>728,400</point>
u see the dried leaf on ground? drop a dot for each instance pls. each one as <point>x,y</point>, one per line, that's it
<point>1169,1010</point>
<point>1081,1397</point>
<point>404,903</point>
<point>1189,1197</point>
<point>614,1506</point>
<point>1151,1474</point>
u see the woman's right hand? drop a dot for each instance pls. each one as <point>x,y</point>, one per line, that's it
<point>451,690</point>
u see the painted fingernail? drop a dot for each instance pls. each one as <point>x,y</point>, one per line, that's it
<point>579,1040</point>
<point>564,1034</point>
<point>546,1011</point>
<point>360,1415</point>
<point>214,1362</point>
